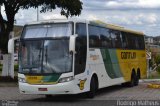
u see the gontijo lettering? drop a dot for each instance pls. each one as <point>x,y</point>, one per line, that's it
<point>128,55</point>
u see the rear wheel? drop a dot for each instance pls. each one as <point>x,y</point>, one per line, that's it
<point>137,77</point>
<point>93,88</point>
<point>133,79</point>
<point>136,81</point>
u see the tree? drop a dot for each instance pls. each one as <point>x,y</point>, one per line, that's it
<point>157,59</point>
<point>68,8</point>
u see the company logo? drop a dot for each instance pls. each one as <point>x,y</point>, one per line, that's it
<point>128,55</point>
<point>81,84</point>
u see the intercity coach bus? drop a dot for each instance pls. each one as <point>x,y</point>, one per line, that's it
<point>77,56</point>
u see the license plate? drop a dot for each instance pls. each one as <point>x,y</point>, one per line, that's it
<point>42,89</point>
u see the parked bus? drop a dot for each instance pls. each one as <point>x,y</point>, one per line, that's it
<point>77,56</point>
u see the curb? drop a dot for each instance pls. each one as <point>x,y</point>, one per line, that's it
<point>152,83</point>
<point>149,80</point>
<point>155,86</point>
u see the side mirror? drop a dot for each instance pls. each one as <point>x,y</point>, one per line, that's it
<point>11,46</point>
<point>72,43</point>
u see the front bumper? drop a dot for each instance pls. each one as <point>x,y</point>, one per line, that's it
<point>59,88</point>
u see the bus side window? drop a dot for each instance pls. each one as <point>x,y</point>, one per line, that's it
<point>94,36</point>
<point>104,37</point>
<point>124,41</point>
<point>81,48</point>
<point>141,42</point>
<point>116,39</point>
<point>129,38</point>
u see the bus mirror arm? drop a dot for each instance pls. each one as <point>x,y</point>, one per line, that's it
<point>72,43</point>
<point>11,46</point>
<point>11,43</point>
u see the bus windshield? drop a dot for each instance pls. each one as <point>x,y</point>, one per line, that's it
<point>47,30</point>
<point>45,56</point>
<point>46,53</point>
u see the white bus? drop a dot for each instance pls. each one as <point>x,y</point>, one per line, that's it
<point>72,57</point>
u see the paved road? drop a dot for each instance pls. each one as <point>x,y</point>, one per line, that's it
<point>117,92</point>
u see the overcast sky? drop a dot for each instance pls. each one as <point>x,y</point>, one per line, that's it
<point>141,15</point>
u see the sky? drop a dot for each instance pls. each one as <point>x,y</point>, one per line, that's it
<point>140,15</point>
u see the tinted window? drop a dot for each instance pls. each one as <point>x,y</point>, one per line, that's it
<point>105,40</point>
<point>116,39</point>
<point>124,40</point>
<point>94,36</point>
<point>141,42</point>
<point>132,41</point>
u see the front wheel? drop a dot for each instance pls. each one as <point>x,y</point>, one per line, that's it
<point>133,80</point>
<point>92,91</point>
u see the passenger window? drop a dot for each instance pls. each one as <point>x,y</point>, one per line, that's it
<point>94,36</point>
<point>141,42</point>
<point>104,37</point>
<point>124,41</point>
<point>116,39</point>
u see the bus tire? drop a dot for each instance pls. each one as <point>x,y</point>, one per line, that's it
<point>93,88</point>
<point>136,81</point>
<point>133,79</point>
<point>137,78</point>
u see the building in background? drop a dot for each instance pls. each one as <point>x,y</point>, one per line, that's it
<point>149,39</point>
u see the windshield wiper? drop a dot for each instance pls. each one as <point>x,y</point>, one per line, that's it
<point>46,54</point>
<point>39,55</point>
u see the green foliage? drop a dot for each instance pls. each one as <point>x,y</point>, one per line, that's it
<point>16,67</point>
<point>157,59</point>
<point>151,63</point>
<point>68,8</point>
<point>158,69</point>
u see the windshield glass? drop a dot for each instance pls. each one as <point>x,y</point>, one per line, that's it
<point>45,49</point>
<point>47,30</point>
<point>45,56</point>
<point>56,56</point>
<point>31,55</point>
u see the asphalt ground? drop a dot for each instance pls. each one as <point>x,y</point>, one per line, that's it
<point>109,96</point>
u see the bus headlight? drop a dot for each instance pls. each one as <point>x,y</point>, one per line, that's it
<point>22,80</point>
<point>66,79</point>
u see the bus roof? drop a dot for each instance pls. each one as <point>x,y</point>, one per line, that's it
<point>116,27</point>
<point>96,22</point>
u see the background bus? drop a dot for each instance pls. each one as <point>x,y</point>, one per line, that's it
<point>74,56</point>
